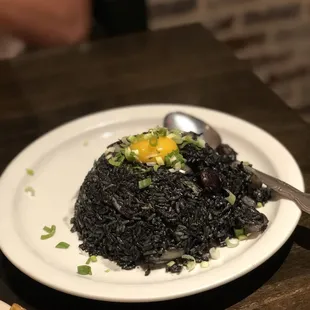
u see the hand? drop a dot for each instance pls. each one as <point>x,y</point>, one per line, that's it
<point>44,22</point>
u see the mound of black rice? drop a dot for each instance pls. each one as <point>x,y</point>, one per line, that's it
<point>178,213</point>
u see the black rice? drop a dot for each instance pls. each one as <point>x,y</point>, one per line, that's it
<point>178,213</point>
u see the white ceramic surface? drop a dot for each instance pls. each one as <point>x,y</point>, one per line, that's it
<point>61,159</point>
<point>4,306</point>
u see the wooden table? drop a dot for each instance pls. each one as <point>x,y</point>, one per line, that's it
<point>43,90</point>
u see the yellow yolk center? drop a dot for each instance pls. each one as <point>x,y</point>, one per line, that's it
<point>148,153</point>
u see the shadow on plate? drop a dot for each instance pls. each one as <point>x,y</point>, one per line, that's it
<point>35,296</point>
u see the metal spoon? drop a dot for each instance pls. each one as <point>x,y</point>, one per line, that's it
<point>186,122</point>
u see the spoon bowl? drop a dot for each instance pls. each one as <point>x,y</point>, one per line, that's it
<point>186,122</point>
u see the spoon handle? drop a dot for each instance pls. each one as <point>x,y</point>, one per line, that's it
<point>285,190</point>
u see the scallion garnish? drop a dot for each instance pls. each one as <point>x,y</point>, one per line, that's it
<point>30,172</point>
<point>242,237</point>
<point>155,168</point>
<point>161,131</point>
<point>204,264</point>
<point>239,232</point>
<point>188,257</point>
<point>231,198</point>
<point>84,270</point>
<point>132,139</point>
<point>110,149</point>
<point>171,263</point>
<point>50,234</point>
<point>153,141</point>
<point>30,190</point>
<point>215,253</point>
<point>125,141</point>
<point>191,264</point>
<point>91,259</point>
<point>62,245</point>
<point>108,270</point>
<point>159,161</point>
<point>232,243</point>
<point>47,229</point>
<point>259,205</point>
<point>116,161</point>
<point>145,183</point>
<point>173,158</point>
<point>178,166</point>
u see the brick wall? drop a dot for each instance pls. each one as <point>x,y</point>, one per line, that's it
<point>273,35</point>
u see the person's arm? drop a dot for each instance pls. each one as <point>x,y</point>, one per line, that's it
<point>46,22</point>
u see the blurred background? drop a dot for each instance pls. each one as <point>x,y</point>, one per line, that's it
<point>273,36</point>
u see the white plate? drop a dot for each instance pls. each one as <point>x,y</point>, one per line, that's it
<point>4,306</point>
<point>61,160</point>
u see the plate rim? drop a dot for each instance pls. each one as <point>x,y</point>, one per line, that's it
<point>7,251</point>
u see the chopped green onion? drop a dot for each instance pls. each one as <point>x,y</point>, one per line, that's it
<point>171,263</point>
<point>159,161</point>
<point>178,166</point>
<point>172,158</point>
<point>239,232</point>
<point>132,139</point>
<point>50,234</point>
<point>62,245</point>
<point>191,265</point>
<point>153,141</point>
<point>91,259</point>
<point>176,131</point>
<point>231,198</point>
<point>129,154</point>
<point>84,270</point>
<point>188,257</point>
<point>176,138</point>
<point>162,131</point>
<point>246,163</point>
<point>259,205</point>
<point>116,161</point>
<point>232,243</point>
<point>110,150</point>
<point>147,136</point>
<point>215,253</point>
<point>108,270</point>
<point>30,190</point>
<point>145,183</point>
<point>242,237</point>
<point>204,264</point>
<point>125,141</point>
<point>155,168</point>
<point>192,262</point>
<point>30,172</point>
<point>171,136</point>
<point>201,142</point>
<point>192,186</point>
<point>47,229</point>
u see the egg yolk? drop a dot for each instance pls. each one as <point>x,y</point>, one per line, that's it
<point>148,153</point>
